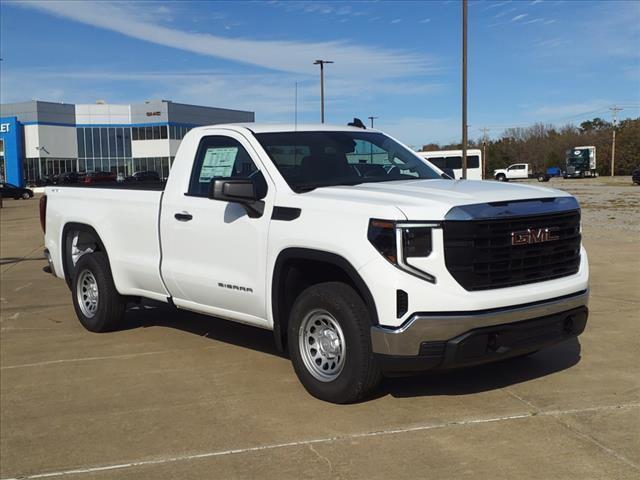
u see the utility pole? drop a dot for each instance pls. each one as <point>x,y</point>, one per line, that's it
<point>484,152</point>
<point>464,89</point>
<point>372,119</point>
<point>295,115</point>
<point>322,63</point>
<point>614,111</point>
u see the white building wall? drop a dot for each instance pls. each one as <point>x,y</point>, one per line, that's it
<point>103,114</point>
<point>58,142</point>
<point>151,148</point>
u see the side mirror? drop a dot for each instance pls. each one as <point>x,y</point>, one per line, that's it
<point>448,173</point>
<point>238,190</point>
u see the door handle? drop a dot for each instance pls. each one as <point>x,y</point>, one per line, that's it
<point>183,217</point>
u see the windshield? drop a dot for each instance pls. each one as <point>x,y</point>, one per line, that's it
<point>309,160</point>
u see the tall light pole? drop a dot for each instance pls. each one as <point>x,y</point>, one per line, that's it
<point>464,89</point>
<point>322,63</point>
<point>615,111</point>
<point>372,119</point>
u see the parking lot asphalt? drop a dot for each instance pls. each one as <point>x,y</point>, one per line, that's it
<point>178,395</point>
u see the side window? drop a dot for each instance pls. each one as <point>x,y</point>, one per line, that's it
<point>218,157</point>
<point>438,162</point>
<point>473,161</point>
<point>454,163</point>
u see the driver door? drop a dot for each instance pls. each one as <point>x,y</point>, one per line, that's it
<point>213,254</point>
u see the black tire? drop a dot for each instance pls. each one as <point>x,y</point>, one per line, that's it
<point>360,374</point>
<point>26,196</point>
<point>110,305</point>
<point>542,178</point>
<point>501,177</point>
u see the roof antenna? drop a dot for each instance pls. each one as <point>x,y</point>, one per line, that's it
<point>357,123</point>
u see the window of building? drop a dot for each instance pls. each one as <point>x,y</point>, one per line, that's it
<point>163,131</point>
<point>120,142</point>
<point>134,133</point>
<point>104,142</point>
<point>127,142</point>
<point>112,141</point>
<point>80,135</point>
<point>88,141</point>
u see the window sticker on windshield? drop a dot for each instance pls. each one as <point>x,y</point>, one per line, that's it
<point>218,162</point>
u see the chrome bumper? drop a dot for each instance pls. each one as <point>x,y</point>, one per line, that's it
<point>425,327</point>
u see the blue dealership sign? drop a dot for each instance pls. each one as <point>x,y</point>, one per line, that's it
<point>11,136</point>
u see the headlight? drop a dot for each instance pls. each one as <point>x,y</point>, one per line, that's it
<point>398,241</point>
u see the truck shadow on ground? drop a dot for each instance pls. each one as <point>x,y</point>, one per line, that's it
<point>151,314</point>
<point>452,382</point>
<point>492,376</point>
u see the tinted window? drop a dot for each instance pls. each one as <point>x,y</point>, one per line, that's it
<point>134,133</point>
<point>127,142</point>
<point>88,141</point>
<point>112,141</point>
<point>80,134</point>
<point>341,158</point>
<point>473,161</point>
<point>438,162</point>
<point>148,133</point>
<point>453,162</point>
<point>219,157</point>
<point>163,131</point>
<point>96,142</point>
<point>104,142</point>
<point>120,142</point>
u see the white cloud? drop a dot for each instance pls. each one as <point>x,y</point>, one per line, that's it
<point>396,20</point>
<point>283,55</point>
<point>519,17</point>
<point>425,20</point>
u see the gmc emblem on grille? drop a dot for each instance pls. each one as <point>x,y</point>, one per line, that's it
<point>534,235</point>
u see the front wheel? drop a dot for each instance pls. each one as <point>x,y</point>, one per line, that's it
<point>330,344</point>
<point>26,196</point>
<point>97,303</point>
<point>501,178</point>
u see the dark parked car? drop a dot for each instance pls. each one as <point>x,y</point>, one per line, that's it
<point>99,177</point>
<point>144,176</point>
<point>635,176</point>
<point>8,190</point>
<point>67,177</point>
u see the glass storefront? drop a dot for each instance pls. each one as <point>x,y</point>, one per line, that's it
<point>104,149</point>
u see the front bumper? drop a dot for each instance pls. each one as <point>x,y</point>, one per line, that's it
<point>447,340</point>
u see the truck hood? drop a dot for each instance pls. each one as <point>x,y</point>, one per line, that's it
<point>432,199</point>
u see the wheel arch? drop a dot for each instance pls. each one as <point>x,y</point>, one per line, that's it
<point>287,283</point>
<point>89,233</point>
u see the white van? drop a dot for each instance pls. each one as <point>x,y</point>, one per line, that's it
<point>453,159</point>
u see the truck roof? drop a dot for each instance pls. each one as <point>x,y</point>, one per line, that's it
<point>287,127</point>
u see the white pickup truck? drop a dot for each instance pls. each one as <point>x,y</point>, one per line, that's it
<point>357,253</point>
<point>519,171</point>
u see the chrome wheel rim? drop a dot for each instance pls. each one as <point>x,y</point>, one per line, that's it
<point>87,292</point>
<point>322,346</point>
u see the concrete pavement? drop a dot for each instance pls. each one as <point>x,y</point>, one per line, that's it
<point>177,395</point>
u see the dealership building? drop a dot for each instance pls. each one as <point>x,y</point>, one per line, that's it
<point>42,139</point>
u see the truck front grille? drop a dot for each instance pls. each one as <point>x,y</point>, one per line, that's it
<point>480,255</point>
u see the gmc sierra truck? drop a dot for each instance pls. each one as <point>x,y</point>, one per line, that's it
<point>360,256</point>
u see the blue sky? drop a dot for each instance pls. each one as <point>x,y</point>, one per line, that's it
<point>529,60</point>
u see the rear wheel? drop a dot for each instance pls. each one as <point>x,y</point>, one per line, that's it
<point>26,196</point>
<point>330,344</point>
<point>97,303</point>
<point>501,177</point>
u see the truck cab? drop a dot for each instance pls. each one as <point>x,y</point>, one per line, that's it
<point>517,171</point>
<point>581,162</point>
